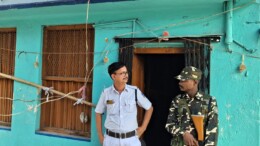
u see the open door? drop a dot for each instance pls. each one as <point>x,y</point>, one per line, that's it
<point>138,80</point>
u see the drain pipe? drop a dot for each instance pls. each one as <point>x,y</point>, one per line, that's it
<point>133,28</point>
<point>229,19</point>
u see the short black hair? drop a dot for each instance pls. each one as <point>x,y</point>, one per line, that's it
<point>114,67</point>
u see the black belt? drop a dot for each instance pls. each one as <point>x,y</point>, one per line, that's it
<point>120,135</point>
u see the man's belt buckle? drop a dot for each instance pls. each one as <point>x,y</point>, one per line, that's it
<point>123,135</point>
<point>120,135</point>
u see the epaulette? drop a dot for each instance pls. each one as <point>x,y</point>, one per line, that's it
<point>132,87</point>
<point>206,96</point>
<point>106,89</point>
<point>178,96</point>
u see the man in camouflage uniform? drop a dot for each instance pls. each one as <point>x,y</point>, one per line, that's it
<point>192,102</point>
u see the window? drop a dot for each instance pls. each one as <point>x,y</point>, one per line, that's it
<point>7,61</point>
<point>64,69</point>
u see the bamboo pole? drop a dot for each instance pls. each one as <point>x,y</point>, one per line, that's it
<point>42,87</point>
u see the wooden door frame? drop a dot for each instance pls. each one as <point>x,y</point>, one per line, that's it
<point>138,68</point>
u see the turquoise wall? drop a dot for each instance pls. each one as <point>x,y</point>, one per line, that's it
<point>237,93</point>
<point>29,26</point>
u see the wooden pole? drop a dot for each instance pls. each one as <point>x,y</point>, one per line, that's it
<point>42,87</point>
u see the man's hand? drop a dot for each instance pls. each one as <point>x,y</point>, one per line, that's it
<point>189,139</point>
<point>99,128</point>
<point>140,131</point>
<point>147,116</point>
<point>101,138</point>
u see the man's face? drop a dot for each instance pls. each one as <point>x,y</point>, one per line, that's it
<point>187,85</point>
<point>120,76</point>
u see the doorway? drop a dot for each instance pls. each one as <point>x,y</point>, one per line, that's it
<point>153,72</point>
<point>160,88</point>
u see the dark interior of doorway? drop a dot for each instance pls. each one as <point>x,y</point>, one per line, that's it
<point>161,87</point>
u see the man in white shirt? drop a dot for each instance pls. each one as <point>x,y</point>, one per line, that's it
<point>120,104</point>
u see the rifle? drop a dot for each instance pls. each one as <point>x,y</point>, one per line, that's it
<point>198,122</point>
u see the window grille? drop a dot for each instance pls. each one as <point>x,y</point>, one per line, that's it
<point>197,54</point>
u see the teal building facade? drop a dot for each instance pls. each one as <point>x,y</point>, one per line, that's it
<point>234,26</point>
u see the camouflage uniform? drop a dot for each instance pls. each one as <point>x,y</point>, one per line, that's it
<point>182,107</point>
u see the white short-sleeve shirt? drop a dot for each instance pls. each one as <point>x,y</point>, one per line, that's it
<point>121,108</point>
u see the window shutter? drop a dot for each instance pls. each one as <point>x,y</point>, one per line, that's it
<point>7,62</point>
<point>64,69</point>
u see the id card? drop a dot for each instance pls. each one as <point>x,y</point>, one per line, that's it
<point>110,102</point>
